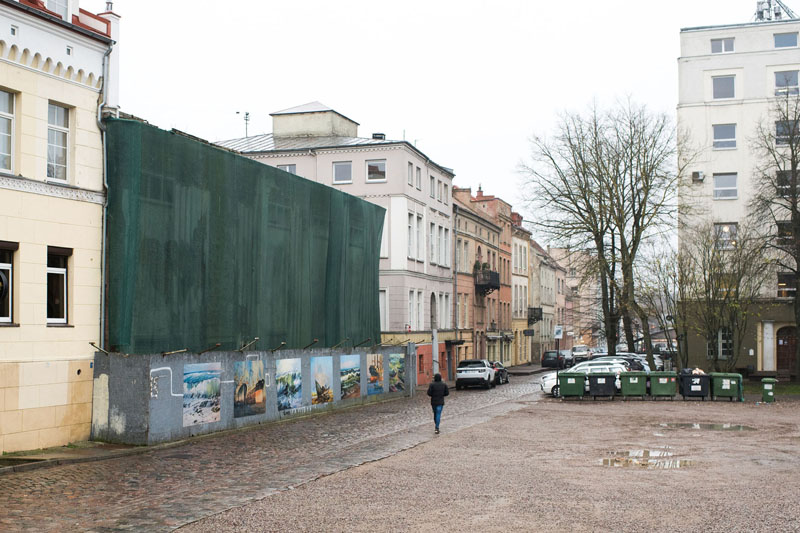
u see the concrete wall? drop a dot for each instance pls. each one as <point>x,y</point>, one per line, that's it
<point>149,399</point>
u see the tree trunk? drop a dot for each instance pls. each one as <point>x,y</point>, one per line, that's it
<point>627,325</point>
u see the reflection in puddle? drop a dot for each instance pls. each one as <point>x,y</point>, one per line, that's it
<point>715,427</point>
<point>653,459</point>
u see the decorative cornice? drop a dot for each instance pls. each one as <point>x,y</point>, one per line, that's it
<point>67,192</point>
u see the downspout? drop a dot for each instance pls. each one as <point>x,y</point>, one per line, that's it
<point>455,268</point>
<point>102,127</point>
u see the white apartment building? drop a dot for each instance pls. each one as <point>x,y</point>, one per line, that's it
<point>322,145</point>
<point>729,76</point>
<point>58,67</point>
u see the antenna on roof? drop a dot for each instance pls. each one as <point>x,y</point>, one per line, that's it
<point>246,121</point>
<point>767,10</point>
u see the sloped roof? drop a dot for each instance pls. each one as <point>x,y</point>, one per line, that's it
<point>268,142</point>
<point>311,107</point>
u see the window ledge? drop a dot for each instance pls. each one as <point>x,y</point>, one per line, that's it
<point>56,325</point>
<point>724,149</point>
<point>342,182</point>
<point>376,181</point>
<point>725,199</point>
<point>8,325</point>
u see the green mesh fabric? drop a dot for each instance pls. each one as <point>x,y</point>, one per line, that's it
<point>206,246</point>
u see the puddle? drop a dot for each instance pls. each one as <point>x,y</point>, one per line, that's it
<point>713,427</point>
<point>662,459</point>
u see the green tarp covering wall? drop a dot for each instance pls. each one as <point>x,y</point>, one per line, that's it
<point>206,246</point>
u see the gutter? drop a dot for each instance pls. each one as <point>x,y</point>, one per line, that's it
<point>102,127</point>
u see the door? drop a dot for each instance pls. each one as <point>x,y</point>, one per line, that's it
<point>787,344</point>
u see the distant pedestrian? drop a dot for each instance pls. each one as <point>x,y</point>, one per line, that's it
<point>437,391</point>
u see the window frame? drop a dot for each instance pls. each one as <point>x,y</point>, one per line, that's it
<point>11,130</point>
<point>10,248</point>
<point>58,129</point>
<point>723,42</point>
<point>783,140</point>
<point>735,188</point>
<point>420,238</point>
<point>53,6</point>
<point>385,177</point>
<point>719,143</point>
<point>432,240</point>
<point>410,248</point>
<point>411,173</point>
<point>64,253</point>
<point>783,182</point>
<point>784,90</point>
<point>783,237</point>
<point>790,291</point>
<point>775,37</point>
<point>291,168</point>
<point>714,88</point>
<point>419,179</point>
<point>337,164</point>
<point>433,187</point>
<point>719,231</point>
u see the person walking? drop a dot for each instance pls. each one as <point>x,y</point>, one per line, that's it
<point>437,391</point>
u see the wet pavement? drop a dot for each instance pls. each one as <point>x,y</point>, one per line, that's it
<point>162,489</point>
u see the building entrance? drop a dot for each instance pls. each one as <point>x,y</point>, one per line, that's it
<point>787,345</point>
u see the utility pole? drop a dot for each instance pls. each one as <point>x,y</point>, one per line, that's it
<point>246,121</point>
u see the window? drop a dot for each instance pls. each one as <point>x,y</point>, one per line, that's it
<point>785,40</point>
<point>458,254</point>
<point>784,183</point>
<point>420,240</point>
<point>724,135</point>
<point>6,129</point>
<point>786,83</point>
<point>14,30</point>
<point>419,179</point>
<point>466,264</point>
<point>376,170</point>
<point>725,186</point>
<point>411,235</point>
<point>721,46</point>
<point>7,280</point>
<point>441,246</point>
<point>446,247</point>
<point>69,50</point>
<point>420,302</point>
<point>291,169</point>
<point>784,234</point>
<point>57,259</point>
<point>411,308</point>
<point>725,235</point>
<point>59,7</point>
<point>411,174</point>
<point>787,284</point>
<point>382,305</point>
<point>432,241</point>
<point>439,190</point>
<point>342,171</point>
<point>723,86</point>
<point>786,131</point>
<point>57,141</point>
<point>724,344</point>
<point>433,187</point>
<point>445,195</point>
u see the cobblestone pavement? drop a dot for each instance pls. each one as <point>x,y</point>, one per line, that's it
<point>166,488</point>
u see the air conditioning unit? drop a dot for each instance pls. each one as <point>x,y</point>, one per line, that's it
<point>698,176</point>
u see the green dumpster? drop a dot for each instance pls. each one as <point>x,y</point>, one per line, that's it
<point>571,384</point>
<point>768,390</point>
<point>725,385</point>
<point>663,384</point>
<point>633,384</point>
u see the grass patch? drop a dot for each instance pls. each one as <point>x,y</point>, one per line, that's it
<point>754,387</point>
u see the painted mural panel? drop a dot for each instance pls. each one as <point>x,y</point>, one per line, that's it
<point>397,372</point>
<point>350,376</point>
<point>249,397</point>
<point>322,370</point>
<point>375,369</point>
<point>201,386</point>
<point>289,381</point>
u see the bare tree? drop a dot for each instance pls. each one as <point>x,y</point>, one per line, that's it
<point>776,202</point>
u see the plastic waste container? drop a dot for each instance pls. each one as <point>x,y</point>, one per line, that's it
<point>571,384</point>
<point>694,385</point>
<point>602,384</point>
<point>725,385</point>
<point>768,390</point>
<point>663,384</point>
<point>633,384</point>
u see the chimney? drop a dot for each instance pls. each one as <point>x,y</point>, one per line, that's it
<point>379,136</point>
<point>479,194</point>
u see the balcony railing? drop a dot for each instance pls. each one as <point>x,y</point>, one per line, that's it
<point>487,281</point>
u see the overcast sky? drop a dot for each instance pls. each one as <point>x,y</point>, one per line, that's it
<point>468,81</point>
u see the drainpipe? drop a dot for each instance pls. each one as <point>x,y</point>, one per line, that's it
<point>102,127</point>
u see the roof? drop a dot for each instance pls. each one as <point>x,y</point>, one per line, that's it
<point>311,107</point>
<point>268,142</point>
<point>741,25</point>
<point>38,9</point>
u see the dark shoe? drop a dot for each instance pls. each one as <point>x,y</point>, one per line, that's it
<point>437,431</point>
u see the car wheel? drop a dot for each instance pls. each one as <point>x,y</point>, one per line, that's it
<point>556,391</point>
<point>507,379</point>
<point>487,384</point>
<point>458,386</point>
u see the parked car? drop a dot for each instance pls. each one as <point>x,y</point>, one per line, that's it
<point>635,361</point>
<point>475,372</point>
<point>580,353</point>
<point>553,359</point>
<point>500,373</point>
<point>568,359</point>
<point>549,381</point>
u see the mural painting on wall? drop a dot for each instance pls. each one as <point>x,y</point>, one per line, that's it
<point>375,373</point>
<point>322,370</point>
<point>201,386</point>
<point>249,397</point>
<point>397,372</point>
<point>289,381</point>
<point>350,376</point>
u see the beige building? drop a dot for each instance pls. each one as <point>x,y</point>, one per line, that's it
<point>52,65</point>
<point>520,291</point>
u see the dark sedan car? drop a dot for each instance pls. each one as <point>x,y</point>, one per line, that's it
<point>553,359</point>
<point>500,373</point>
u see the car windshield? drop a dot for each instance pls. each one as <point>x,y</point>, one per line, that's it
<point>470,364</point>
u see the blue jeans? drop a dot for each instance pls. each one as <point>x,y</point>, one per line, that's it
<point>437,414</point>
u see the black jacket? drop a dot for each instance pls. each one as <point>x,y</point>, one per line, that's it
<point>437,391</point>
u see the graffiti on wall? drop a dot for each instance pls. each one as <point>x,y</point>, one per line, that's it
<point>288,379</point>
<point>375,373</point>
<point>350,376</point>
<point>201,388</point>
<point>249,396</point>
<point>322,370</point>
<point>397,372</point>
